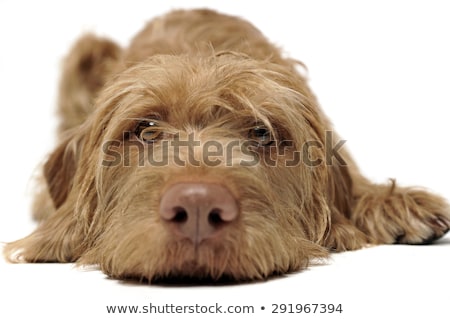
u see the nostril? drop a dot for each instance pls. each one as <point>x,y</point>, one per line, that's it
<point>180,215</point>
<point>215,218</point>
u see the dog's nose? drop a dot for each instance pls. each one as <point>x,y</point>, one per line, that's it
<point>198,211</point>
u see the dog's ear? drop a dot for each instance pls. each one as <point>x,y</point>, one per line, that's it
<point>60,169</point>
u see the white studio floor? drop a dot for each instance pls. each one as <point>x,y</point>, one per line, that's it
<point>395,281</point>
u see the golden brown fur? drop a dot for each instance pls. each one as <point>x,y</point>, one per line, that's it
<point>216,77</point>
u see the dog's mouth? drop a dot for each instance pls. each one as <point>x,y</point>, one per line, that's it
<point>214,261</point>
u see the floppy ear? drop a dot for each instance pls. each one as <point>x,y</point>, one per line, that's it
<point>59,236</point>
<point>55,180</point>
<point>60,169</point>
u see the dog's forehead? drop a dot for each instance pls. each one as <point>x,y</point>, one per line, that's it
<point>198,89</point>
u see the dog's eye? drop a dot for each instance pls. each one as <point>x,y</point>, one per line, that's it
<point>148,131</point>
<point>262,135</point>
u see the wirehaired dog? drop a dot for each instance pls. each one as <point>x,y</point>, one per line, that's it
<point>199,151</point>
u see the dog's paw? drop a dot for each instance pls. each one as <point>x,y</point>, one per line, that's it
<point>424,231</point>
<point>403,215</point>
<point>344,236</point>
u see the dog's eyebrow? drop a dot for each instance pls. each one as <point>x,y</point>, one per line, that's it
<point>144,118</point>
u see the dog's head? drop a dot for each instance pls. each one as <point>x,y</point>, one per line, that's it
<point>192,166</point>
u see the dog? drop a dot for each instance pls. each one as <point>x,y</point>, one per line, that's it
<point>200,152</point>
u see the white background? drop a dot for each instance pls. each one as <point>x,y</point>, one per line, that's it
<point>381,70</point>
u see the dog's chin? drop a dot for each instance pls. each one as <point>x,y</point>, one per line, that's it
<point>184,264</point>
<point>181,262</point>
<point>190,272</point>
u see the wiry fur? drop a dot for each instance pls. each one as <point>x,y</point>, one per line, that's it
<point>214,76</point>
